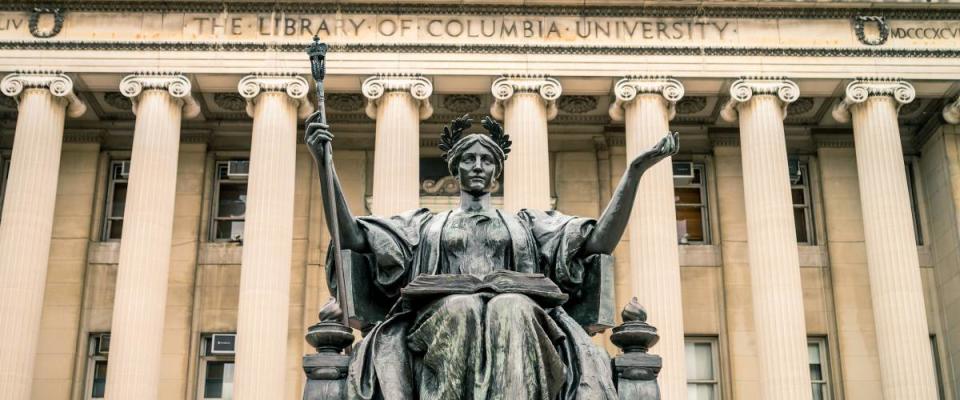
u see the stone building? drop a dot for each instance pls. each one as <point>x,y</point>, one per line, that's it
<point>805,240</point>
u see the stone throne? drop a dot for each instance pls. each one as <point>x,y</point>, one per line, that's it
<point>634,370</point>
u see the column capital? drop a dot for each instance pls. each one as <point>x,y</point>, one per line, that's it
<point>860,89</point>
<point>60,86</point>
<point>420,88</point>
<point>295,86</point>
<point>176,84</point>
<point>743,89</point>
<point>627,89</point>
<point>504,88</point>
<point>951,112</point>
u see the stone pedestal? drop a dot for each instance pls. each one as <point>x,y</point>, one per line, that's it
<point>760,105</point>
<point>27,221</point>
<point>398,102</point>
<point>646,105</point>
<point>525,103</point>
<point>896,289</point>
<point>262,321</point>
<point>136,341</point>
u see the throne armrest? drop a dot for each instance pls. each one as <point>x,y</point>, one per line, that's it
<point>594,308</point>
<point>367,305</point>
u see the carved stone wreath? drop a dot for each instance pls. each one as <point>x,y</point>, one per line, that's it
<point>462,103</point>
<point>691,105</point>
<point>230,101</point>
<point>118,100</point>
<point>860,20</point>
<point>800,107</point>
<point>344,102</point>
<point>35,21</point>
<point>577,104</point>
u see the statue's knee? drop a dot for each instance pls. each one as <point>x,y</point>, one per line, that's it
<point>511,304</point>
<point>464,306</point>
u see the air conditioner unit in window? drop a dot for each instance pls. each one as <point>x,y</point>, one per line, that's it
<point>793,165</point>
<point>103,343</point>
<point>682,172</point>
<point>223,343</point>
<point>125,169</point>
<point>238,169</point>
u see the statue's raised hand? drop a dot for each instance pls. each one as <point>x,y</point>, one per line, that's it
<point>666,147</point>
<point>316,137</point>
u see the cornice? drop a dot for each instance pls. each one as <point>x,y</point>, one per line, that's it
<point>492,48</point>
<point>681,11</point>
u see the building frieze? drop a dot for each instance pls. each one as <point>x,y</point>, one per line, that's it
<point>675,11</point>
<point>391,28</point>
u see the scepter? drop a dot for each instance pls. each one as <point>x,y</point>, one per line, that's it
<point>318,53</point>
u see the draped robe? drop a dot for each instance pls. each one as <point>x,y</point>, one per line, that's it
<point>421,352</point>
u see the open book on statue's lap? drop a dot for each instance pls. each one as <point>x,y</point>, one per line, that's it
<point>537,287</point>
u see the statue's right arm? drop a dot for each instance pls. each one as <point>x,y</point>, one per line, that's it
<point>351,238</point>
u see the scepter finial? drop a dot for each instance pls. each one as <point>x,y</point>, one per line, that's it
<point>318,54</point>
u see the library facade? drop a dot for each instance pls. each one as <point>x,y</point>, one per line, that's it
<point>811,249</point>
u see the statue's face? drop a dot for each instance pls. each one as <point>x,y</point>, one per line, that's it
<point>476,169</point>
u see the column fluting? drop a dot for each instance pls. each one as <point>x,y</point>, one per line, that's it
<point>525,103</point>
<point>262,321</point>
<point>896,289</point>
<point>398,102</point>
<point>760,105</point>
<point>646,106</point>
<point>27,220</point>
<point>136,337</point>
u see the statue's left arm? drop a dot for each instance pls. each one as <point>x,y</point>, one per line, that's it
<point>613,222</point>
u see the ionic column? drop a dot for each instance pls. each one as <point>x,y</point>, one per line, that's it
<point>136,335</point>
<point>398,102</point>
<point>896,290</point>
<point>274,102</point>
<point>760,105</point>
<point>525,103</point>
<point>646,105</point>
<point>45,98</point>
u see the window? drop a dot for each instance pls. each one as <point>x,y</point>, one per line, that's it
<point>230,200</point>
<point>216,366</point>
<point>938,372</point>
<point>4,172</point>
<point>97,365</point>
<point>690,195</point>
<point>703,382</point>
<point>912,190</point>
<point>116,199</point>
<point>802,211</point>
<point>819,378</point>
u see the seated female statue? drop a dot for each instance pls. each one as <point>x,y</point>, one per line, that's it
<point>514,343</point>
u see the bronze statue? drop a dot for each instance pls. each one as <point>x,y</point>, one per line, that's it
<point>476,303</point>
